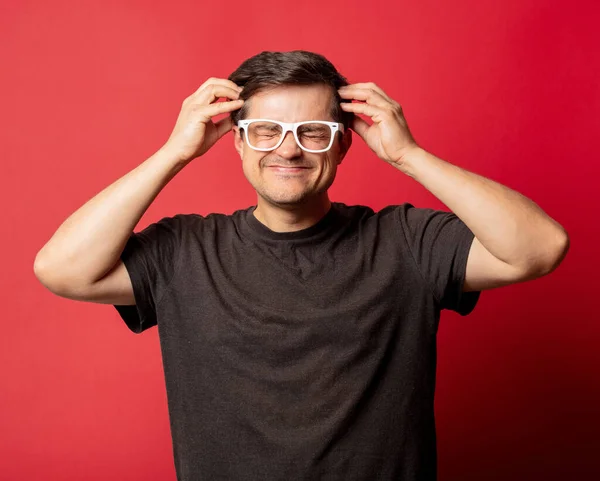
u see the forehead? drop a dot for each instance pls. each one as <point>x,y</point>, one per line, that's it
<point>293,103</point>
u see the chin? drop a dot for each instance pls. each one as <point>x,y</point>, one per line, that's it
<point>285,198</point>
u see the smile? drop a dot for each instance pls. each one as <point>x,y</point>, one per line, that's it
<point>288,170</point>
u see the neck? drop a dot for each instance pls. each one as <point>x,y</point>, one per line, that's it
<point>290,218</point>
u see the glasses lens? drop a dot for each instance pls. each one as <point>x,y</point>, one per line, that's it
<point>314,136</point>
<point>264,135</point>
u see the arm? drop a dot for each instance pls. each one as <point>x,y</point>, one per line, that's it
<point>82,259</point>
<point>88,245</point>
<point>514,240</point>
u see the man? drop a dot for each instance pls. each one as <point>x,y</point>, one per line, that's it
<point>299,335</point>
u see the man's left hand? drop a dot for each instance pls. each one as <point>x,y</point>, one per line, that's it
<point>389,136</point>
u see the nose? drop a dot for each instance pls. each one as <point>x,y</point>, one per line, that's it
<point>289,147</point>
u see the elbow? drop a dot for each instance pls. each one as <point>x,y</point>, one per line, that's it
<point>59,281</point>
<point>543,260</point>
<point>39,268</point>
<point>557,253</point>
<point>47,276</point>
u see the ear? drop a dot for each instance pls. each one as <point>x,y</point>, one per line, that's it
<point>238,141</point>
<point>345,144</point>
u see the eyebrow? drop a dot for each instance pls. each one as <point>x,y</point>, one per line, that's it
<point>311,128</point>
<point>264,125</point>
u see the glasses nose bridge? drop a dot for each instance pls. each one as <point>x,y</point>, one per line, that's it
<point>289,129</point>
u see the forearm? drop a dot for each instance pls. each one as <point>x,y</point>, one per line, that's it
<point>89,242</point>
<point>510,226</point>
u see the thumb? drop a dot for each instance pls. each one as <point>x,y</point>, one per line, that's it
<point>223,126</point>
<point>360,126</point>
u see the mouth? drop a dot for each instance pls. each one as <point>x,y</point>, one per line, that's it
<point>280,168</point>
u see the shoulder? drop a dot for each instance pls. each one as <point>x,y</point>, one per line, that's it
<point>196,225</point>
<point>411,217</point>
<point>353,211</point>
<point>391,213</point>
<point>205,220</point>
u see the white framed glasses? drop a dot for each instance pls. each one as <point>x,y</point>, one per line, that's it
<point>310,135</point>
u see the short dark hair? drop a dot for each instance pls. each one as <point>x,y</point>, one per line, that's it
<point>271,69</point>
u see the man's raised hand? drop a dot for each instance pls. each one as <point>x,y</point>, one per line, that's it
<point>389,136</point>
<point>194,131</point>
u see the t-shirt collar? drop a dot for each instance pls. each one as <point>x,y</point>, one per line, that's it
<point>313,232</point>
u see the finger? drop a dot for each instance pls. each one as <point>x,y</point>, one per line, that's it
<point>215,91</point>
<point>369,85</point>
<point>217,81</point>
<point>365,109</point>
<point>360,126</point>
<point>370,96</point>
<point>215,109</point>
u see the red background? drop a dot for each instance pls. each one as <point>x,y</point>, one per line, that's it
<point>509,90</point>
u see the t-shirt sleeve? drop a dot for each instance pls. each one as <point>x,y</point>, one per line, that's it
<point>440,242</point>
<point>151,258</point>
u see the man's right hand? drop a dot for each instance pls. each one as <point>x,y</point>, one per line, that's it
<point>194,131</point>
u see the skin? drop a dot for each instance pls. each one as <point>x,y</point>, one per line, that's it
<point>291,199</point>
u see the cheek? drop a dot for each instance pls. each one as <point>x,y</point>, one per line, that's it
<point>252,160</point>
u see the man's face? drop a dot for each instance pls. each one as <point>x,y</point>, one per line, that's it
<point>280,186</point>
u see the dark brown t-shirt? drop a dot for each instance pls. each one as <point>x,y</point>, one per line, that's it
<point>307,355</point>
